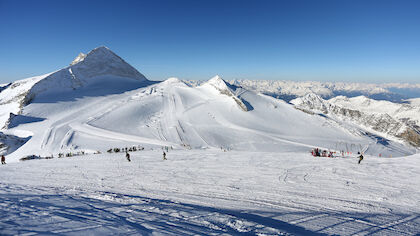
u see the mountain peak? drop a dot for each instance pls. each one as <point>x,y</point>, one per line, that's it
<point>218,83</point>
<point>310,100</point>
<point>102,51</point>
<point>99,51</point>
<point>100,64</point>
<point>313,96</point>
<point>102,61</point>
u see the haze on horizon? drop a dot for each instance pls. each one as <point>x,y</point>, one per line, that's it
<point>354,41</point>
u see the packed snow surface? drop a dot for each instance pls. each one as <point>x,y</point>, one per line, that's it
<point>211,192</point>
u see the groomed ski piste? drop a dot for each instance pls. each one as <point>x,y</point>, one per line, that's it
<point>239,162</point>
<point>211,192</point>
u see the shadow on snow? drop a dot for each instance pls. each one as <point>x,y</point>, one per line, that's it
<point>108,213</point>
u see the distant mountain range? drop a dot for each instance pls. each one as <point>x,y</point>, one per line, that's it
<point>289,90</point>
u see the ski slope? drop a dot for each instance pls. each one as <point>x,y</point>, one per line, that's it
<point>170,113</point>
<point>211,192</point>
<point>101,102</point>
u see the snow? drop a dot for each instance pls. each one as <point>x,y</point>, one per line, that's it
<point>238,160</point>
<point>414,101</point>
<point>79,58</point>
<point>211,192</point>
<point>171,113</point>
<point>98,66</point>
<point>384,119</point>
<point>12,97</point>
<point>395,110</point>
<point>289,90</point>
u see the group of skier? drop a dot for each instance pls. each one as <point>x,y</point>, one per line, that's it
<point>316,152</point>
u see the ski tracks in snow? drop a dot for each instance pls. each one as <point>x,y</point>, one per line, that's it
<point>52,211</point>
<point>42,210</point>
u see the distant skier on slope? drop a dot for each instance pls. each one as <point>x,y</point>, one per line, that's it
<point>127,155</point>
<point>360,158</point>
<point>3,159</point>
<point>164,156</point>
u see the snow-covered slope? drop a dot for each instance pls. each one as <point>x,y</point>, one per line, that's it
<point>171,113</point>
<point>101,102</point>
<point>211,192</point>
<point>385,118</point>
<point>99,72</point>
<point>13,95</point>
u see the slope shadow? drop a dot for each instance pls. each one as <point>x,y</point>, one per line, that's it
<point>57,214</point>
<point>237,91</point>
<point>5,87</point>
<point>248,105</point>
<point>16,120</point>
<point>378,139</point>
<point>108,213</point>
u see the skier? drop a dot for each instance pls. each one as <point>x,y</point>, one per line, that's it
<point>127,155</point>
<point>360,158</point>
<point>164,156</point>
<point>3,160</point>
<point>317,152</point>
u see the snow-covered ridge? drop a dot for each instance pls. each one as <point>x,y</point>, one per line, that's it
<point>401,121</point>
<point>220,85</point>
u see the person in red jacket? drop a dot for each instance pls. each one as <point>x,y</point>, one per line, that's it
<point>3,159</point>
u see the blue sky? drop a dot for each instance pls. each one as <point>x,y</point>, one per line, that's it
<point>337,40</point>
